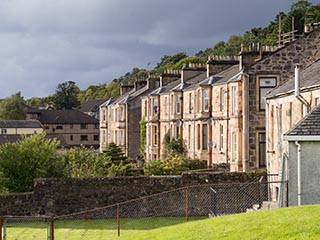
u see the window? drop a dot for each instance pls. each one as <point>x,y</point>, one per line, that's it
<point>234,146</point>
<point>103,136</point>
<point>221,138</point>
<point>189,136</point>
<point>121,114</point>
<point>178,104</point>
<point>83,126</point>
<point>83,137</point>
<point>262,149</point>
<point>146,108</point>
<point>198,101</point>
<point>206,100</point>
<point>234,101</point>
<point>198,136</point>
<point>95,137</point>
<point>59,127</point>
<point>116,115</point>
<point>177,131</point>
<point>221,99</point>
<point>3,131</point>
<point>104,115</point>
<point>204,137</point>
<point>46,127</point>
<point>303,110</point>
<point>316,101</point>
<point>190,103</point>
<point>172,104</point>
<point>71,137</point>
<point>166,105</point>
<point>71,126</point>
<point>155,135</point>
<point>290,114</point>
<point>96,126</point>
<point>265,85</point>
<point>121,137</point>
<point>116,137</point>
<point>155,107</point>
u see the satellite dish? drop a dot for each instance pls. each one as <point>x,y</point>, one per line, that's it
<point>210,122</point>
<point>178,123</point>
<point>211,144</point>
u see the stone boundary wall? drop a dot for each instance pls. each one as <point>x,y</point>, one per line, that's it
<point>55,197</point>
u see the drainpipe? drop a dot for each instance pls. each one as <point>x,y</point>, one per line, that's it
<point>303,101</point>
<point>297,93</point>
<point>245,122</point>
<point>299,171</point>
<point>228,115</point>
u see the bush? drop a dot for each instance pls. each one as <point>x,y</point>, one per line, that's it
<point>29,158</point>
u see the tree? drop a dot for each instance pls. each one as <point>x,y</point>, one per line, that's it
<point>66,96</point>
<point>143,129</point>
<point>13,108</point>
<point>29,158</point>
<point>82,162</point>
<point>115,162</point>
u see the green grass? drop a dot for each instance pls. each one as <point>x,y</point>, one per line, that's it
<point>288,223</point>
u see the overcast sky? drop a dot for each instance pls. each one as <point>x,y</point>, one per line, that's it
<point>47,42</point>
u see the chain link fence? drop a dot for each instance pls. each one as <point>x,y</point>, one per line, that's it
<point>163,209</point>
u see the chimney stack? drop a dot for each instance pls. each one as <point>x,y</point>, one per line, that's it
<point>139,84</point>
<point>249,55</point>
<point>124,88</point>
<point>192,70</point>
<point>217,64</point>
<point>169,76</point>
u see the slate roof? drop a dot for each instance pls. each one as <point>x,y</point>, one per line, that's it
<point>107,103</point>
<point>309,77</point>
<point>91,105</point>
<point>166,88</point>
<point>231,74</point>
<point>190,82</point>
<point>308,126</point>
<point>20,124</point>
<point>68,116</point>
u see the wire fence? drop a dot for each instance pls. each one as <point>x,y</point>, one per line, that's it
<point>163,209</point>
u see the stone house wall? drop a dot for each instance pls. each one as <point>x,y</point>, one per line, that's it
<point>281,64</point>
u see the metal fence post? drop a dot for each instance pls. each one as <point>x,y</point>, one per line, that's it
<point>118,219</point>
<point>52,229</point>
<point>187,204</point>
<point>287,194</point>
<point>1,224</point>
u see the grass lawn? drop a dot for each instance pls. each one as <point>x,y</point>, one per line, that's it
<point>288,223</point>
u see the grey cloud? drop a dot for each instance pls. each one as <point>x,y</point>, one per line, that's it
<point>46,42</point>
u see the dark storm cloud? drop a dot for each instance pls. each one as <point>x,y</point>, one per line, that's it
<point>46,42</point>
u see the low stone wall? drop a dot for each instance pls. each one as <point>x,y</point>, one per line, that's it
<point>55,197</point>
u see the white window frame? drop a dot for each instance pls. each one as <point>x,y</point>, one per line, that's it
<point>265,83</point>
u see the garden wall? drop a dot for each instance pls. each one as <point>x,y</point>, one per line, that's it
<point>54,197</point>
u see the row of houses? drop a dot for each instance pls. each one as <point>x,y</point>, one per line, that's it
<point>219,110</point>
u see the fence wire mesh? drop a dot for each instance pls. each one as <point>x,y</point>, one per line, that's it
<point>163,209</point>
